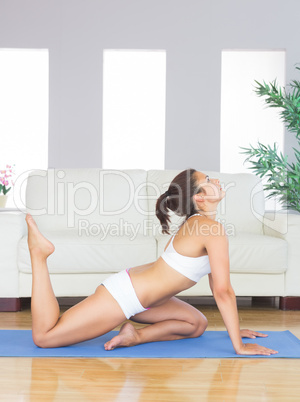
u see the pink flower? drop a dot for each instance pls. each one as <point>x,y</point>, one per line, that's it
<point>5,177</point>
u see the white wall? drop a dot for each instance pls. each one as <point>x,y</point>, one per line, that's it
<point>193,32</point>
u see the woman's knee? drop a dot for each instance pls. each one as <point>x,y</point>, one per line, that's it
<point>41,339</point>
<point>199,324</point>
<point>38,339</point>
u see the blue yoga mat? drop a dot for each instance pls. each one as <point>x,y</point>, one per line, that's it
<point>213,344</point>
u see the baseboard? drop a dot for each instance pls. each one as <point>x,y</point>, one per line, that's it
<point>11,304</point>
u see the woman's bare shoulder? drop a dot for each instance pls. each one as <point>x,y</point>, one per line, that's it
<point>204,226</point>
<point>198,234</point>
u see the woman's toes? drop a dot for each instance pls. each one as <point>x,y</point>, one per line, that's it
<point>128,336</point>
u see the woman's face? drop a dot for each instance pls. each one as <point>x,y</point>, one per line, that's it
<point>211,189</point>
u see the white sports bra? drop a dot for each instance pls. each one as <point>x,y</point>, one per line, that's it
<point>192,268</point>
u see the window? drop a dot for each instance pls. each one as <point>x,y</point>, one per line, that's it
<point>244,116</point>
<point>23,113</point>
<point>134,97</point>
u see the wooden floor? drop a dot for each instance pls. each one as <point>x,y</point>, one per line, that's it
<point>184,380</point>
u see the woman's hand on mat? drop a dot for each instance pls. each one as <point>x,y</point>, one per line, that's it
<point>254,349</point>
<point>248,333</point>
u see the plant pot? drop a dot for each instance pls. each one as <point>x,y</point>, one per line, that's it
<point>3,200</point>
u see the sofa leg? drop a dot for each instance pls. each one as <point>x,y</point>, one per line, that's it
<point>10,304</point>
<point>289,303</point>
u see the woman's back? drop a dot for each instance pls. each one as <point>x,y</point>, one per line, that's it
<point>188,262</point>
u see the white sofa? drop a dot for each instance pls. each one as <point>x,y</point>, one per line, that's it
<point>102,221</point>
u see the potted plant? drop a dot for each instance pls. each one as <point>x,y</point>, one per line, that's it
<point>6,183</point>
<point>282,177</point>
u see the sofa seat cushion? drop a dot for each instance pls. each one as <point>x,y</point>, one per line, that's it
<point>256,254</point>
<point>251,253</point>
<point>74,254</point>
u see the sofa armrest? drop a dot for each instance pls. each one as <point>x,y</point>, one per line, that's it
<point>12,229</point>
<point>287,226</point>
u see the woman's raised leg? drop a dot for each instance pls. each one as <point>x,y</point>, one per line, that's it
<point>172,320</point>
<point>94,316</point>
<point>44,306</point>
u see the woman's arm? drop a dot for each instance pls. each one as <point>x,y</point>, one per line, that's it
<point>216,244</point>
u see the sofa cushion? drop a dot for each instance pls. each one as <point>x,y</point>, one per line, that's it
<point>242,209</point>
<point>62,199</point>
<point>249,253</point>
<point>87,254</point>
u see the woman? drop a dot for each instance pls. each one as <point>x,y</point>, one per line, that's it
<point>145,294</point>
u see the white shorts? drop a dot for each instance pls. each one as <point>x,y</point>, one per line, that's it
<point>120,287</point>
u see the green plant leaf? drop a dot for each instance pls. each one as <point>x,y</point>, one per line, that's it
<point>283,178</point>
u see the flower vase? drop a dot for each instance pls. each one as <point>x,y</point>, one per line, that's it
<point>3,200</point>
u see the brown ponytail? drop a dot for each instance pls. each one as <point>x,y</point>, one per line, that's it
<point>178,198</point>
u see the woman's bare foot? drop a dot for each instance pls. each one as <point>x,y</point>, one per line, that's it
<point>37,243</point>
<point>128,336</point>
